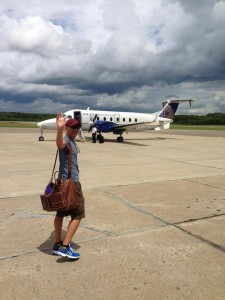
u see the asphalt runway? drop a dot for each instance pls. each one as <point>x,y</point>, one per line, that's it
<point>213,133</point>
<point>154,226</point>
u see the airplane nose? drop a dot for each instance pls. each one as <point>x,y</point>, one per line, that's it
<point>49,124</point>
<point>42,123</point>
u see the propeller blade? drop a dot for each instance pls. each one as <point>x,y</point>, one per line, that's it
<point>95,117</point>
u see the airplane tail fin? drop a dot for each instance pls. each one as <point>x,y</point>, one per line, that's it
<point>170,108</point>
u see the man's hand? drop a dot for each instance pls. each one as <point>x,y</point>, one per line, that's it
<point>60,120</point>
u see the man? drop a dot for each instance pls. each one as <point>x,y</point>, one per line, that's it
<point>72,127</point>
<point>94,133</point>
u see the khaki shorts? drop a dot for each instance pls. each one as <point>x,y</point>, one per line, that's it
<point>77,213</point>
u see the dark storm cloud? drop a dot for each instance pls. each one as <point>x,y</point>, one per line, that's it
<point>127,55</point>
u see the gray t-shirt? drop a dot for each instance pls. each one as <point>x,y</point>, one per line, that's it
<point>64,160</point>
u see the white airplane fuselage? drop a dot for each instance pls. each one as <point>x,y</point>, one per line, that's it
<point>120,118</point>
<point>118,122</point>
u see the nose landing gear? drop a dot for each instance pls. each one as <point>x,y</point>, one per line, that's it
<point>41,138</point>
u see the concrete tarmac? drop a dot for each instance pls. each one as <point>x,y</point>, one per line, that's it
<point>154,226</point>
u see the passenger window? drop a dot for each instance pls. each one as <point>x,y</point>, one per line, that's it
<point>111,119</point>
<point>135,120</point>
<point>129,119</point>
<point>104,118</point>
<point>123,119</point>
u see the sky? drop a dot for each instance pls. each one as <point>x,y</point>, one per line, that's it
<point>119,55</point>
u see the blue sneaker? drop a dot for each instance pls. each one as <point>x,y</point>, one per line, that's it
<point>56,247</point>
<point>68,252</point>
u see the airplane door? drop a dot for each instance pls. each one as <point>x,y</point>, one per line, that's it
<point>117,118</point>
<point>77,116</point>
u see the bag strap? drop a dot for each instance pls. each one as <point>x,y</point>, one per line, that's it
<point>57,151</point>
<point>70,161</point>
<point>69,164</point>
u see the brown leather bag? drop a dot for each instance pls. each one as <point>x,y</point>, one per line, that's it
<point>60,195</point>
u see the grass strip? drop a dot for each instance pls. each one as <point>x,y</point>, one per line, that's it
<point>18,124</point>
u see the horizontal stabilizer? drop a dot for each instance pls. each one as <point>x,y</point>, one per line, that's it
<point>163,127</point>
<point>178,101</point>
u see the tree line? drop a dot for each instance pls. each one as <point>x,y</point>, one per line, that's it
<point>24,117</point>
<point>209,119</point>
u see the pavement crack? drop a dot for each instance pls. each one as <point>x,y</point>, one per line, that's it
<point>18,255</point>
<point>204,184</point>
<point>96,229</point>
<point>199,237</point>
<point>196,164</point>
<point>199,219</point>
<point>136,207</point>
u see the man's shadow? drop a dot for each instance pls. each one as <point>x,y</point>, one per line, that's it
<point>46,247</point>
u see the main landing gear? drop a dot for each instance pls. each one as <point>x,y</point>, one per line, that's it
<point>120,139</point>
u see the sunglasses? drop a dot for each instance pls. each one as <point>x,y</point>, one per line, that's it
<point>75,128</point>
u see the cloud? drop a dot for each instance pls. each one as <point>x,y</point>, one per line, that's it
<point>33,34</point>
<point>127,55</point>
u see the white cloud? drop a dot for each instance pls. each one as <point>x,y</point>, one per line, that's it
<point>111,53</point>
<point>218,13</point>
<point>34,35</point>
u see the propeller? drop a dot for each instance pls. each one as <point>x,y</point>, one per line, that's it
<point>95,117</point>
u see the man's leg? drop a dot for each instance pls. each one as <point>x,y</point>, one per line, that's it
<point>58,222</point>
<point>71,230</point>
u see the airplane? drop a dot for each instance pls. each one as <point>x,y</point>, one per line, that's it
<point>119,122</point>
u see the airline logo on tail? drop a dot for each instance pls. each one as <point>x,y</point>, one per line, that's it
<point>169,111</point>
<point>170,108</point>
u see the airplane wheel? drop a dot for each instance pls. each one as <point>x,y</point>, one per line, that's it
<point>120,139</point>
<point>41,138</point>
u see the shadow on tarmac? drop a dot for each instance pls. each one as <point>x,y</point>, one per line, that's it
<point>129,141</point>
<point>46,247</point>
<point>126,142</point>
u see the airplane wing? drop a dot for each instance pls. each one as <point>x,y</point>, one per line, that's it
<point>131,126</point>
<point>144,125</point>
